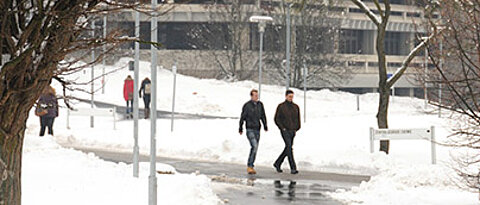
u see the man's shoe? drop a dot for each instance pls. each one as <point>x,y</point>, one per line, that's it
<point>294,172</point>
<point>250,170</point>
<point>277,168</point>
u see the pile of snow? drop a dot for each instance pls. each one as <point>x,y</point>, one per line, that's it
<point>433,185</point>
<point>55,175</point>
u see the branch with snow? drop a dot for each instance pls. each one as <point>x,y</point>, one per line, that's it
<point>408,59</point>
<point>376,20</point>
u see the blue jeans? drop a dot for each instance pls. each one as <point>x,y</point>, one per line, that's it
<point>129,106</point>
<point>253,137</point>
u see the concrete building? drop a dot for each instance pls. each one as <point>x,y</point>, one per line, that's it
<point>355,41</point>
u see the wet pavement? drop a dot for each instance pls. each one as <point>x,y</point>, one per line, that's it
<point>270,192</point>
<point>267,187</point>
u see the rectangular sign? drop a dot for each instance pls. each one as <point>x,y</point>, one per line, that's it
<point>92,112</point>
<point>405,134</point>
<point>379,134</point>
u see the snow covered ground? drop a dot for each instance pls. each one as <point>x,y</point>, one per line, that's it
<point>334,139</point>
<point>55,175</point>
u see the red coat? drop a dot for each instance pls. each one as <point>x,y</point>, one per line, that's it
<point>128,90</point>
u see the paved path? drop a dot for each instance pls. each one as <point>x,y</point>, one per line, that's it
<point>121,110</point>
<point>267,187</point>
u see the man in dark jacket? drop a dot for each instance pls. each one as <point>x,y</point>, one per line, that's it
<point>287,118</point>
<point>145,91</point>
<point>252,113</point>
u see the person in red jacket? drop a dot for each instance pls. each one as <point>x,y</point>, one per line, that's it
<point>128,94</point>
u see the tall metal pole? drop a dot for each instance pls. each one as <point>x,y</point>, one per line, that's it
<point>288,48</point>
<point>174,70</point>
<point>305,73</point>
<point>261,29</point>
<point>92,85</point>
<point>136,97</point>
<point>425,90</point>
<point>104,50</point>
<point>152,199</point>
<point>440,86</point>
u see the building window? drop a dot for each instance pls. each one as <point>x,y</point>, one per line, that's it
<point>273,38</point>
<point>351,41</point>
<point>199,1</point>
<point>315,39</point>
<point>393,43</point>
<point>414,14</point>
<point>208,36</point>
<point>372,64</point>
<point>145,34</point>
<point>356,64</point>
<point>402,2</point>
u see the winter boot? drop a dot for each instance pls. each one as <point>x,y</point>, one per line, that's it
<point>277,168</point>
<point>250,170</point>
<point>147,113</point>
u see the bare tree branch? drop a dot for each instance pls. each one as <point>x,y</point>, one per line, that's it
<point>375,19</point>
<point>413,53</point>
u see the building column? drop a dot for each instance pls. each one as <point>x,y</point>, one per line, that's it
<point>374,36</point>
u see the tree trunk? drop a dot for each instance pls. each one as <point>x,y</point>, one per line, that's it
<point>18,94</point>
<point>13,118</point>
<point>382,115</point>
<point>384,90</point>
<point>10,168</point>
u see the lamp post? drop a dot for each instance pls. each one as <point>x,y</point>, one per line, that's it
<point>305,74</point>
<point>92,75</point>
<point>287,64</point>
<point>153,116</point>
<point>135,97</point>
<point>174,71</point>
<point>104,51</point>
<point>425,90</point>
<point>262,22</point>
<point>440,86</point>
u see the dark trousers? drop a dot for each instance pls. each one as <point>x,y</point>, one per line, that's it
<point>254,138</point>
<point>288,137</point>
<point>129,106</point>
<point>46,122</point>
<point>146,101</point>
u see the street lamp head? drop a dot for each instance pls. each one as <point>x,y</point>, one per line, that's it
<point>262,21</point>
<point>258,19</point>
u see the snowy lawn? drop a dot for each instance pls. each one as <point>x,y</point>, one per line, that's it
<point>55,175</point>
<point>334,139</point>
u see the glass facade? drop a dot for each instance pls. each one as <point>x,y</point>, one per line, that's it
<point>351,41</point>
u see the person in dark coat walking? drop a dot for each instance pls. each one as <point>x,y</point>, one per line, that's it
<point>287,118</point>
<point>252,113</point>
<point>128,94</point>
<point>47,110</point>
<point>145,91</point>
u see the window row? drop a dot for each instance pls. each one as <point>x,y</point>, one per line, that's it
<point>218,36</point>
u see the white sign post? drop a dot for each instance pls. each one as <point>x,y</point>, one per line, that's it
<point>405,134</point>
<point>305,74</point>
<point>174,70</point>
